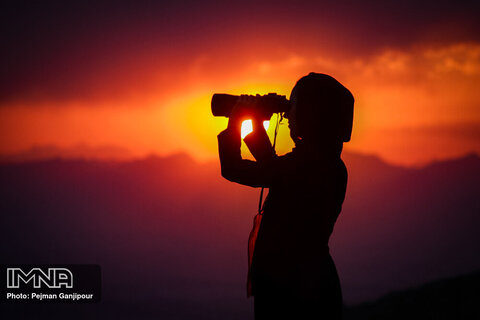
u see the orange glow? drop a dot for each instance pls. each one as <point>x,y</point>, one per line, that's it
<point>410,107</point>
<point>247,127</point>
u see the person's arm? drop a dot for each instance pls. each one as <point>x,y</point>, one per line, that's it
<point>258,173</point>
<point>259,144</point>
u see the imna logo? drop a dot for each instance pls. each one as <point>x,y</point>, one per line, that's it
<point>53,278</point>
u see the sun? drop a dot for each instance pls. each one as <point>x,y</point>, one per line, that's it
<point>247,127</point>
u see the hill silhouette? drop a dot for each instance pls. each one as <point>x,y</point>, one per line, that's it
<point>170,234</point>
<point>79,151</point>
<point>452,298</point>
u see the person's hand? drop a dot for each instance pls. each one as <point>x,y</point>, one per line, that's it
<point>244,109</point>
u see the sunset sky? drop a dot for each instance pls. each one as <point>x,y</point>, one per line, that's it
<point>139,75</point>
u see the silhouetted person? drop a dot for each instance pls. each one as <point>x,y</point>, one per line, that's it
<point>292,274</point>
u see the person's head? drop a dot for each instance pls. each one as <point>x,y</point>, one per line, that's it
<point>321,111</point>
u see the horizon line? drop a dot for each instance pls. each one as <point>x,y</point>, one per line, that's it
<point>94,154</point>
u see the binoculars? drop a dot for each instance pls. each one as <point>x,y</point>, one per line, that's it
<point>222,104</point>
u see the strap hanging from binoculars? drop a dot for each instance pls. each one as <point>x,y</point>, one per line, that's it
<point>257,220</point>
<point>261,203</point>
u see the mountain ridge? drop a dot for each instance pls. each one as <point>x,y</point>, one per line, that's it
<point>450,298</point>
<point>114,153</point>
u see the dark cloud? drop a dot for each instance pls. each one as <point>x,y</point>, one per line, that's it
<point>96,49</point>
